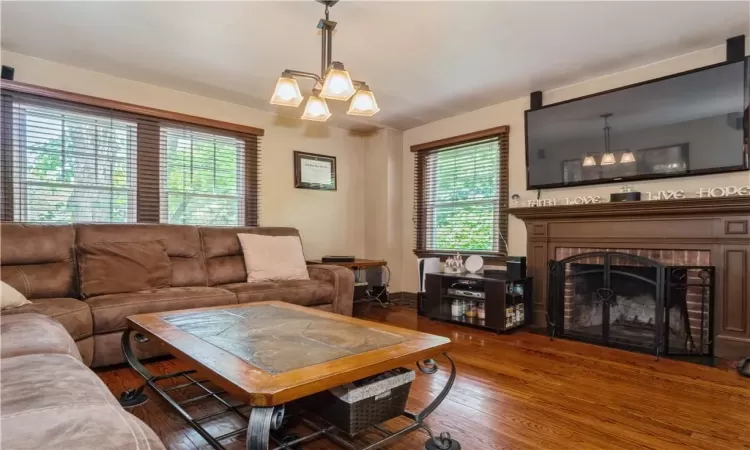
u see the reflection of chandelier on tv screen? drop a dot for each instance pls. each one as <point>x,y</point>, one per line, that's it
<point>608,158</point>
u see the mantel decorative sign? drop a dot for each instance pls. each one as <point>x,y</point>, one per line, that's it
<point>677,194</point>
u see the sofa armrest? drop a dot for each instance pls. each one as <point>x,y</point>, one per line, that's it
<point>342,280</point>
<point>32,334</point>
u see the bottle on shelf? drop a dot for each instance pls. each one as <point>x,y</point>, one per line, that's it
<point>471,309</point>
<point>480,311</point>
<point>456,309</point>
<point>509,311</point>
<point>519,316</point>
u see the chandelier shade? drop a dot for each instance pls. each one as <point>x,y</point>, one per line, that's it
<point>316,109</point>
<point>287,92</point>
<point>589,161</point>
<point>608,159</point>
<point>363,103</point>
<point>627,157</point>
<point>337,84</point>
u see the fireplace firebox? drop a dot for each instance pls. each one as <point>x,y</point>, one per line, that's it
<point>632,302</point>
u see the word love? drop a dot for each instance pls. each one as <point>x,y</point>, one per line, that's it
<point>582,200</point>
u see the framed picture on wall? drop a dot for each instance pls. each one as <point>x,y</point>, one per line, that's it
<point>312,171</point>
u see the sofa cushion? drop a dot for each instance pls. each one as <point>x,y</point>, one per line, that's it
<point>221,247</point>
<point>74,315</point>
<point>56,402</point>
<point>37,259</point>
<point>29,334</point>
<point>298,292</point>
<point>111,311</point>
<point>182,241</point>
<point>114,267</point>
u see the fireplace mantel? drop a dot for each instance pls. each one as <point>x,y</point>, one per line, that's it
<point>719,227</point>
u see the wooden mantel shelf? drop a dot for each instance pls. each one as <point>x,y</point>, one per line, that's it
<point>687,206</point>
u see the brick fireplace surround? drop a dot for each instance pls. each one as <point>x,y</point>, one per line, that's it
<point>702,231</point>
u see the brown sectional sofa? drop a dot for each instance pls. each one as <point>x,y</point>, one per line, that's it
<point>50,400</point>
<point>208,269</point>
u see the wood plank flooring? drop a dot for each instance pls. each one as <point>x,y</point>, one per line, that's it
<point>523,391</point>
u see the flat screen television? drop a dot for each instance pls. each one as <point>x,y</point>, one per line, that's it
<point>690,123</point>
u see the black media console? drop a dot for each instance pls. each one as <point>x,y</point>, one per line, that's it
<point>494,303</point>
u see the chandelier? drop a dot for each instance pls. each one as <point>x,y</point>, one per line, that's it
<point>608,158</point>
<point>333,83</point>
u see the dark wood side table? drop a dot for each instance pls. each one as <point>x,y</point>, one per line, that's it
<point>357,265</point>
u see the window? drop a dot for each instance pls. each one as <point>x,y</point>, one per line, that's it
<point>202,176</point>
<point>69,158</point>
<point>461,195</point>
<point>73,167</point>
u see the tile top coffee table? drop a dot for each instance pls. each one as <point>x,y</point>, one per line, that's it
<point>267,354</point>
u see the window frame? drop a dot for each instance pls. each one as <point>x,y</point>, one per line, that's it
<point>22,182</point>
<point>421,232</point>
<point>149,122</point>
<point>241,190</point>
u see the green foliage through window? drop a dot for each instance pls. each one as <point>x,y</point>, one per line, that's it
<point>461,195</point>
<point>203,175</point>
<point>77,167</point>
<point>73,167</point>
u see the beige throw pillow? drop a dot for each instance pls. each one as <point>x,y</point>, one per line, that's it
<point>11,298</point>
<point>273,258</point>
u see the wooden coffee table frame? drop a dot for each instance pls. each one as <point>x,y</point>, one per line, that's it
<point>267,412</point>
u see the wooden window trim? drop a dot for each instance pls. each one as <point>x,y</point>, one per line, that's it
<point>461,139</point>
<point>502,133</point>
<point>156,113</point>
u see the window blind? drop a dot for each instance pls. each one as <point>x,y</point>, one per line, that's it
<point>65,161</point>
<point>461,196</point>
<point>71,166</point>
<point>202,178</point>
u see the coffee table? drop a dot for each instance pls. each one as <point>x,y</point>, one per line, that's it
<point>268,354</point>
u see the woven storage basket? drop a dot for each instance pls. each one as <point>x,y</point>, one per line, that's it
<point>357,406</point>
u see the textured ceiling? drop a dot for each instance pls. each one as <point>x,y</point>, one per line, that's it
<point>424,60</point>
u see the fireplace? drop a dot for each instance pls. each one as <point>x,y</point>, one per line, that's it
<point>633,302</point>
<point>687,232</point>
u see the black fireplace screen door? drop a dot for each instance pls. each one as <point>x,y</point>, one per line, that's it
<point>609,298</point>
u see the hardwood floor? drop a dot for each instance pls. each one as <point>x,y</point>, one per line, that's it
<point>523,391</point>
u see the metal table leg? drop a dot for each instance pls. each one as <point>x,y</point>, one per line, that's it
<point>134,397</point>
<point>151,382</point>
<point>262,421</point>
<point>440,442</point>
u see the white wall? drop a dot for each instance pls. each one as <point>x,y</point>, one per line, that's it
<point>511,113</point>
<point>329,222</point>
<point>383,207</point>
